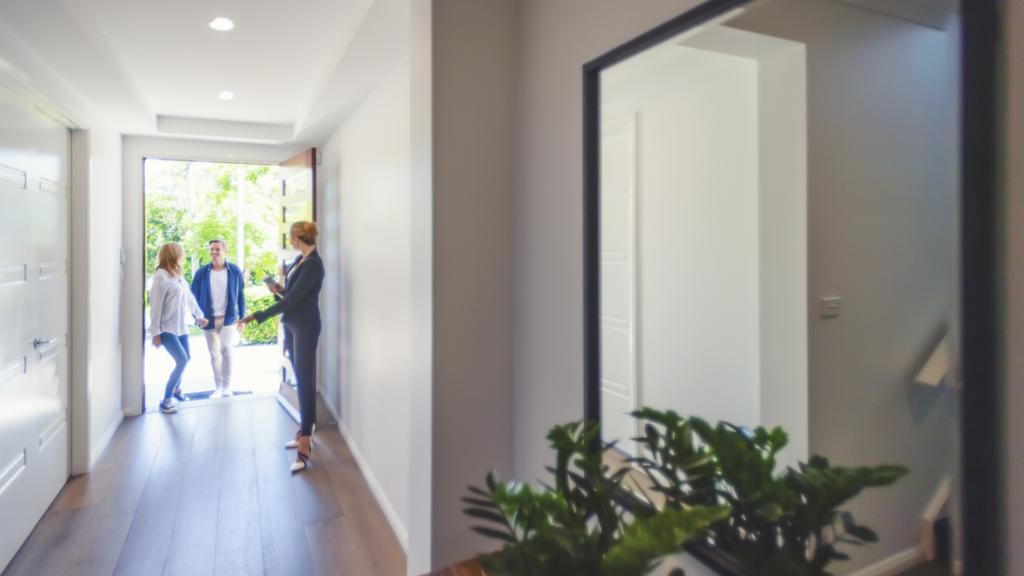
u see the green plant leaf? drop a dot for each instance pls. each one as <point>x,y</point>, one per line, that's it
<point>493,534</point>
<point>484,514</point>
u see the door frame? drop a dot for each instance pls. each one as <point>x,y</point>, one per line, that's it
<point>79,432</point>
<point>286,397</point>
<point>135,149</point>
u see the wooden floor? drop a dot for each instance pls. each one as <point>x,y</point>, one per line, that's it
<point>207,491</point>
<point>928,569</point>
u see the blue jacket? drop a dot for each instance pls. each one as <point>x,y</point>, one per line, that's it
<point>236,294</point>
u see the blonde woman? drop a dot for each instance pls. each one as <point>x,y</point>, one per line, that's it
<point>298,302</point>
<point>169,300</point>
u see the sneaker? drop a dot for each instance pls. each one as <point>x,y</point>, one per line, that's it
<point>178,395</point>
<point>218,393</point>
<point>168,407</point>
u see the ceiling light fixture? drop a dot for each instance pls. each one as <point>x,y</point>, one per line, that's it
<point>226,95</point>
<point>222,24</point>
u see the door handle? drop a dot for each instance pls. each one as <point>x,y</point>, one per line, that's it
<point>41,342</point>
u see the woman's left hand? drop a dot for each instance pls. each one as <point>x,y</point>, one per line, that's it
<point>244,321</point>
<point>202,322</point>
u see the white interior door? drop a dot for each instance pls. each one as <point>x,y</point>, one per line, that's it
<point>619,369</point>
<point>34,169</point>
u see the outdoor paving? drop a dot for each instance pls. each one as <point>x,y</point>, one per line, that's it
<point>256,368</point>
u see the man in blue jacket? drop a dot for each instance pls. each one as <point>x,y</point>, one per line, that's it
<point>220,290</point>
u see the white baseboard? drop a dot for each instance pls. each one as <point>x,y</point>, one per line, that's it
<point>330,407</point>
<point>377,489</point>
<point>97,449</point>
<point>893,564</point>
<point>943,494</point>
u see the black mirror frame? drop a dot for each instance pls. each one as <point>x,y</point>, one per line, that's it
<point>981,357</point>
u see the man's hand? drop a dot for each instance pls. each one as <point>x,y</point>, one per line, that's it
<point>156,341</point>
<point>202,322</point>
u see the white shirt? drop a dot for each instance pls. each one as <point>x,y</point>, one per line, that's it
<point>219,290</point>
<point>169,300</point>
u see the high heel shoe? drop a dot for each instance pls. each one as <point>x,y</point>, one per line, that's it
<point>294,443</point>
<point>302,457</point>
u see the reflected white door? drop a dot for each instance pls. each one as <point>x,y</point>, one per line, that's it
<point>619,370</point>
<point>34,168</point>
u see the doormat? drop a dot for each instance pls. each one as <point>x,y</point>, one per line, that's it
<point>205,395</point>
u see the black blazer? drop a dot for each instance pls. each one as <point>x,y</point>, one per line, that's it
<point>299,304</point>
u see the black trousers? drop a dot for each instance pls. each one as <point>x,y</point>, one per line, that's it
<point>300,342</point>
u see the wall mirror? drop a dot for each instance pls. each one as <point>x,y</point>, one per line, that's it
<point>774,239</point>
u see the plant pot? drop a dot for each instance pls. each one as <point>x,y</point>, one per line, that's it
<point>467,568</point>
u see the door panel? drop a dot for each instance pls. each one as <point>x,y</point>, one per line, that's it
<point>34,310</point>
<point>619,370</point>
<point>298,203</point>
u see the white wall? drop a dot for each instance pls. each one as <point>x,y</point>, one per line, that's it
<point>134,150</point>
<point>474,126</point>
<point>328,201</point>
<point>105,287</point>
<point>782,235</point>
<point>882,209</point>
<point>96,272</point>
<point>366,163</point>
<point>418,553</point>
<point>555,40</point>
<point>419,549</point>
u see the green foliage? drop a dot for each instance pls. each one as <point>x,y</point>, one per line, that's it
<point>659,535</point>
<point>255,332</point>
<point>719,484</point>
<point>577,526</point>
<point>785,524</point>
<point>194,202</point>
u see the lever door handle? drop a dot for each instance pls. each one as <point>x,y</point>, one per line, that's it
<point>41,342</point>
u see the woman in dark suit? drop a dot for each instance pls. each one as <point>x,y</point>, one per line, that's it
<point>299,305</point>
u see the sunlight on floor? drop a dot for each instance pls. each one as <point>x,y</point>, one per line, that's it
<point>255,369</point>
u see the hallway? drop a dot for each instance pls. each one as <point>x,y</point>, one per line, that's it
<point>207,491</point>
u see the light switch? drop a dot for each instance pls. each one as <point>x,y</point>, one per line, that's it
<point>830,306</point>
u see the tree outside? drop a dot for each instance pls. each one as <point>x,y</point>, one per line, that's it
<point>192,203</point>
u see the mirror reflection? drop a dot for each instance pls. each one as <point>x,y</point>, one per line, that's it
<point>779,245</point>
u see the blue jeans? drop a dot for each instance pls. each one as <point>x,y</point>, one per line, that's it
<point>177,347</point>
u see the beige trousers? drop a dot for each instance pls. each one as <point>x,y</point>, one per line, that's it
<point>221,341</point>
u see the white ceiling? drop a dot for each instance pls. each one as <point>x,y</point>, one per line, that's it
<point>149,66</point>
<point>271,60</point>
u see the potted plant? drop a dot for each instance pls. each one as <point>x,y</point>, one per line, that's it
<point>720,490</point>
<point>580,525</point>
<point>780,524</point>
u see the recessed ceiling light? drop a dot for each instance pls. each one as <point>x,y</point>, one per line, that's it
<point>226,95</point>
<point>222,24</point>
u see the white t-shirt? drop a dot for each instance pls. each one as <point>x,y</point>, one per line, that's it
<point>219,291</point>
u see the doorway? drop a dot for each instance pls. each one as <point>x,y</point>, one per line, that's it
<point>193,203</point>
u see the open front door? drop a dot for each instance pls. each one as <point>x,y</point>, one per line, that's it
<point>298,203</point>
